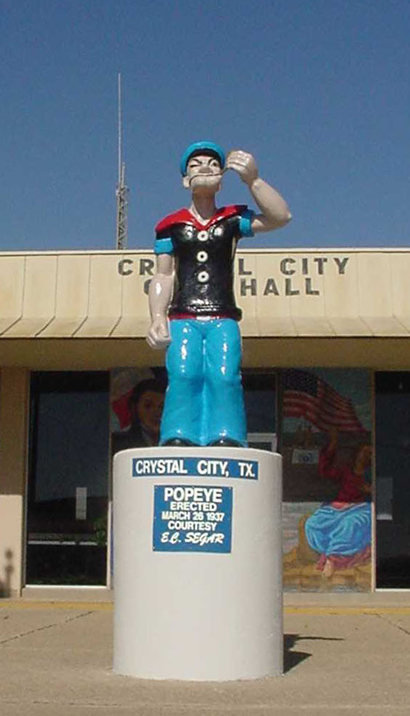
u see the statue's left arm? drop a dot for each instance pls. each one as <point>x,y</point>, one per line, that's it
<point>274,209</point>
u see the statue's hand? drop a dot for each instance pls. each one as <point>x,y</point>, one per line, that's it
<point>158,335</point>
<point>244,164</point>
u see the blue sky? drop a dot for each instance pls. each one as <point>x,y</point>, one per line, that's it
<point>317,90</point>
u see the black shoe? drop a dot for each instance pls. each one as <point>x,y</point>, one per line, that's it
<point>177,442</point>
<point>225,442</point>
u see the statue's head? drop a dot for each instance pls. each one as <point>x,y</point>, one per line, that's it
<point>202,166</point>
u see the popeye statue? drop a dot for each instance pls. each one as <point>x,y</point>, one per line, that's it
<point>192,303</point>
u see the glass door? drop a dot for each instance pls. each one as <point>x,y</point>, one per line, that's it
<point>393,479</point>
<point>68,484</point>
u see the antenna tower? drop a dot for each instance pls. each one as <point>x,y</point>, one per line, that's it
<point>121,190</point>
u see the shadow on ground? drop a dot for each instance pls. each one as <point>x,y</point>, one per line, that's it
<point>293,658</point>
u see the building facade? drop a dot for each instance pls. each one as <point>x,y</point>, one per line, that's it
<point>326,372</point>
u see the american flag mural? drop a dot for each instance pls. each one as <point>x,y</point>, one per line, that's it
<point>305,395</point>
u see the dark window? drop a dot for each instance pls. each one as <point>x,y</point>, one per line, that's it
<point>393,479</point>
<point>68,479</point>
<point>260,404</point>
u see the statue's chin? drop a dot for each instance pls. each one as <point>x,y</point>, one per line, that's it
<point>205,185</point>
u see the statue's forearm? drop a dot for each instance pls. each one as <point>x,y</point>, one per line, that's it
<point>274,209</point>
<point>160,295</point>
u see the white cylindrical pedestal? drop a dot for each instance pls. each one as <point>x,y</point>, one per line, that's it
<point>198,563</point>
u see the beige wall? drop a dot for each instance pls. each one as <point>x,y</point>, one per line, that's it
<point>14,389</point>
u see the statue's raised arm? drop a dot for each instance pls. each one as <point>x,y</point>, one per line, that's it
<point>274,209</point>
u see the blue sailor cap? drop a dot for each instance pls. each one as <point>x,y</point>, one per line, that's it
<point>205,146</point>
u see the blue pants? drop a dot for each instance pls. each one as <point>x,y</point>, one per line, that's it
<point>204,399</point>
<point>331,531</point>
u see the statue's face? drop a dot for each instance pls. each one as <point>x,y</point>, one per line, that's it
<point>204,174</point>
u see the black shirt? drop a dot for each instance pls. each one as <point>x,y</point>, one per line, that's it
<point>204,258</point>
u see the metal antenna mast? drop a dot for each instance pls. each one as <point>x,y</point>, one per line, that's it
<point>121,190</point>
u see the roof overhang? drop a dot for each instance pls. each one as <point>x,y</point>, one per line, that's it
<point>91,308</point>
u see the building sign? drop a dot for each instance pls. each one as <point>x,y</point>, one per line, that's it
<point>192,519</point>
<point>291,275</point>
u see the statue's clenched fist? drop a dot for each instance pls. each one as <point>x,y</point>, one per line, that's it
<point>244,164</point>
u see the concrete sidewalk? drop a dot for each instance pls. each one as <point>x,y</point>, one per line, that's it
<point>55,660</point>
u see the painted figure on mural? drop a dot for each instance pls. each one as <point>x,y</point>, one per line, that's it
<point>192,303</point>
<point>145,404</point>
<point>340,531</point>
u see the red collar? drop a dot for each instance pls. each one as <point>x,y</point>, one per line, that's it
<point>184,216</point>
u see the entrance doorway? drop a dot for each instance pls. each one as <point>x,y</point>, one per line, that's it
<point>393,479</point>
<point>68,483</point>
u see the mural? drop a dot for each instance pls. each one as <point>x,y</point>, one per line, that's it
<point>137,399</point>
<point>326,446</point>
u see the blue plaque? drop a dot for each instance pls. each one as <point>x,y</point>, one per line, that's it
<point>192,519</point>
